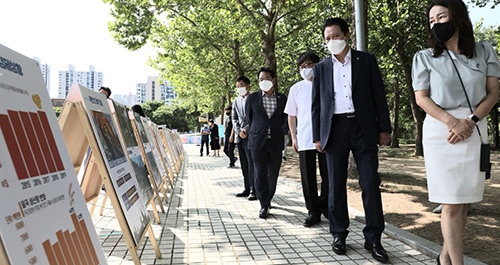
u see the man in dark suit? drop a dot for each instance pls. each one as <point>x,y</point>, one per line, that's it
<point>349,113</point>
<point>265,125</point>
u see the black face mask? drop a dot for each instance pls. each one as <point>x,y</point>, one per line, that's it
<point>443,31</point>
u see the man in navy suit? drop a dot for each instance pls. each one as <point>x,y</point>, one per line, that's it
<point>349,113</point>
<point>265,125</point>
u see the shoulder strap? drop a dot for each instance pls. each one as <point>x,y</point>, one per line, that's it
<point>465,92</point>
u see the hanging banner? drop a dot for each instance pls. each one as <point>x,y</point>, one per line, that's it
<point>43,216</point>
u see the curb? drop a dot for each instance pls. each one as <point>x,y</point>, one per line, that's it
<point>423,245</point>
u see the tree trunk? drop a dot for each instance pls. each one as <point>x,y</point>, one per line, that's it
<point>494,126</point>
<point>269,53</point>
<point>395,113</point>
<point>418,116</point>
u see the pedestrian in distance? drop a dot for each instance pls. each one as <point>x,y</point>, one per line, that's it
<point>214,137</point>
<point>229,137</point>
<point>205,135</point>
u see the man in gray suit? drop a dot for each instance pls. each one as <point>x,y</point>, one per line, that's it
<point>350,114</point>
<point>238,117</point>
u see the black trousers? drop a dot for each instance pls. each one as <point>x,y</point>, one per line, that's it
<point>346,137</point>
<point>307,160</point>
<point>229,150</point>
<point>267,164</point>
<point>204,142</point>
<point>247,167</point>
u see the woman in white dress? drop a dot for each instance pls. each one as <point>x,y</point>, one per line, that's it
<point>450,134</point>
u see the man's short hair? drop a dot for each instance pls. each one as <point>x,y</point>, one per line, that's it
<point>244,79</point>
<point>336,21</point>
<point>267,70</point>
<point>106,89</point>
<point>308,55</point>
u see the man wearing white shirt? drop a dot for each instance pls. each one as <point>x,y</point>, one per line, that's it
<point>298,108</point>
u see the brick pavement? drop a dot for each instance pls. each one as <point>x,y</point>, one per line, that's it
<point>206,224</point>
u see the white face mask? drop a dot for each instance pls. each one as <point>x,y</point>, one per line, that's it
<point>265,85</point>
<point>241,90</point>
<point>307,73</point>
<point>336,46</point>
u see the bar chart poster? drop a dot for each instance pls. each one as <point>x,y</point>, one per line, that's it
<point>147,147</point>
<point>112,150</point>
<point>43,215</point>
<point>156,152</point>
<point>134,153</point>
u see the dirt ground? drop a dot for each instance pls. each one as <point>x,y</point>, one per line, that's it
<point>404,197</point>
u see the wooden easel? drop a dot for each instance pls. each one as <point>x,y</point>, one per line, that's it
<point>155,188</point>
<point>170,145</point>
<point>73,121</point>
<point>148,163</point>
<point>172,157</point>
<point>3,254</point>
<point>161,152</point>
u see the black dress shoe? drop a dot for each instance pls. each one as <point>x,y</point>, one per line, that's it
<point>252,197</point>
<point>243,194</point>
<point>264,212</point>
<point>338,245</point>
<point>312,219</point>
<point>378,252</point>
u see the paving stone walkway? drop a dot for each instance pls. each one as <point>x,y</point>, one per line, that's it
<point>205,223</point>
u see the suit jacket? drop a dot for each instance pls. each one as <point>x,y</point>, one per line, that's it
<point>258,122</point>
<point>368,95</point>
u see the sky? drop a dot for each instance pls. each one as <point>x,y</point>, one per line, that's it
<point>63,32</point>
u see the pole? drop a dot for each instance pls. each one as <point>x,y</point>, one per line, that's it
<point>360,25</point>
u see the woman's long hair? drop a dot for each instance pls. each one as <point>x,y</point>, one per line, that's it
<point>459,18</point>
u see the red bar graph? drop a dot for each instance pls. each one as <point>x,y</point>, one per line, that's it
<point>44,145</point>
<point>71,247</point>
<point>31,143</point>
<point>14,150</point>
<point>50,140</point>
<point>22,140</point>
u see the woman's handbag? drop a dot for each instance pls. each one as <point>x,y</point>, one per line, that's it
<point>484,159</point>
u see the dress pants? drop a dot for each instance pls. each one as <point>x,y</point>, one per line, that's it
<point>204,143</point>
<point>229,150</point>
<point>246,163</point>
<point>307,161</point>
<point>346,136</point>
<point>267,164</point>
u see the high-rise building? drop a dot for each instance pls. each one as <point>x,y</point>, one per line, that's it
<point>91,79</point>
<point>45,68</point>
<point>155,89</point>
<point>127,100</point>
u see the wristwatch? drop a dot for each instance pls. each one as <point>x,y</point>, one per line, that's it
<point>474,118</point>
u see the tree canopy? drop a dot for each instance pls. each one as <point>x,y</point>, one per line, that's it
<point>203,46</point>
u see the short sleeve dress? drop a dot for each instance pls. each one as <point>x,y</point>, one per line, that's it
<point>453,175</point>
